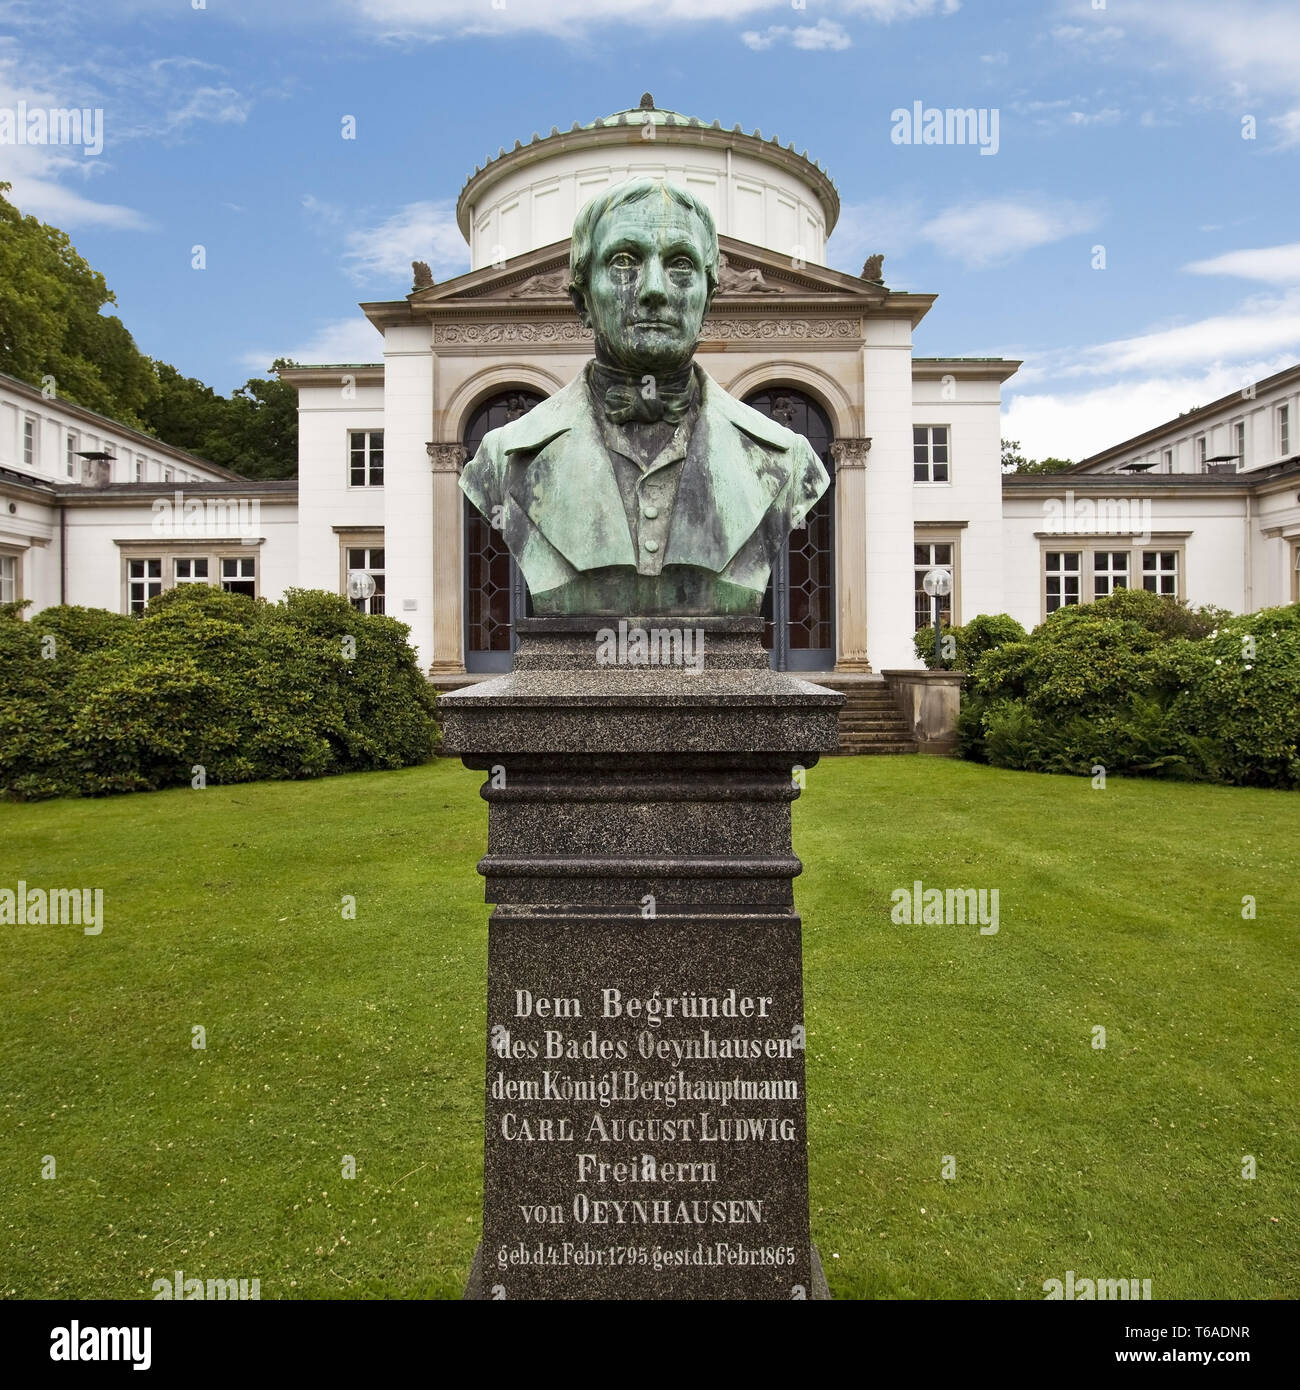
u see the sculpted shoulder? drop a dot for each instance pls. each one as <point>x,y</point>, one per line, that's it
<point>543,422</point>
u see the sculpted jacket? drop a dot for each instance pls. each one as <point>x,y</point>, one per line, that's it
<point>741,483</point>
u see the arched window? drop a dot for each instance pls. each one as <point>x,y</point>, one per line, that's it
<point>494,589</point>
<point>799,605</point>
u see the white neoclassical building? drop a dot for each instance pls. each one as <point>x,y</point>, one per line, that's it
<point>1206,507</point>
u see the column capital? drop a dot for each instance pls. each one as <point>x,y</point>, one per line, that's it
<point>446,458</point>
<point>850,453</point>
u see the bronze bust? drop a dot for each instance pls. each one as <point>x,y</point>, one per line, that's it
<point>642,487</point>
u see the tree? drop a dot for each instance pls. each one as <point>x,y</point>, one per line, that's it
<point>52,326</point>
<point>1013,461</point>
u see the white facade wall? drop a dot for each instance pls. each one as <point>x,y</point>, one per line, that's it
<point>1210,530</point>
<point>408,482</point>
<point>327,413</point>
<point>887,389</point>
<point>972,410</point>
<point>97,535</point>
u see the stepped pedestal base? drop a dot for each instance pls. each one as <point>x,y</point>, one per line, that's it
<point>646,1132</point>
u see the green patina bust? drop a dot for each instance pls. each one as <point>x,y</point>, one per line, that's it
<point>642,487</point>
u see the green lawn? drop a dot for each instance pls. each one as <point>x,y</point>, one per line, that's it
<point>327,1037</point>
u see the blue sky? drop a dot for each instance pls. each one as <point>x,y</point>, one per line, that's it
<point>1120,125</point>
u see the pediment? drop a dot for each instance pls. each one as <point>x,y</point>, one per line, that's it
<point>748,272</point>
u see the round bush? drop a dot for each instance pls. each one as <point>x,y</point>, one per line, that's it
<point>241,689</point>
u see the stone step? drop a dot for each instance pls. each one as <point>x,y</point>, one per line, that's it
<point>851,748</point>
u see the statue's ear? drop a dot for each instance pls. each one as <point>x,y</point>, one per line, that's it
<point>580,304</point>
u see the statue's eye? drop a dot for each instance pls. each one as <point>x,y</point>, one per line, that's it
<point>622,260</point>
<point>682,265</point>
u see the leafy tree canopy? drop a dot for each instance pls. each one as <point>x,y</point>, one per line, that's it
<point>1013,461</point>
<point>52,327</point>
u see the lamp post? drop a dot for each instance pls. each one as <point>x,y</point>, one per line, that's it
<point>938,584</point>
<point>361,586</point>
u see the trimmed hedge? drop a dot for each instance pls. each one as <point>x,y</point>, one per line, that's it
<point>93,703</point>
<point>1140,684</point>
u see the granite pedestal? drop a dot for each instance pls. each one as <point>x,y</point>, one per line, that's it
<point>645,1129</point>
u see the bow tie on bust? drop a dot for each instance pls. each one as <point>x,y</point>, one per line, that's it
<point>627,398</point>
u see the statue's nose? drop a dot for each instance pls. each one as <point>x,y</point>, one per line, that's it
<point>653,285</point>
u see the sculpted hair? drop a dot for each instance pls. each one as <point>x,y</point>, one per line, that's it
<point>633,191</point>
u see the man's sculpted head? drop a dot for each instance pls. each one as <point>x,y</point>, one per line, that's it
<point>642,271</point>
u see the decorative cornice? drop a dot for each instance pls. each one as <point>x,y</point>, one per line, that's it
<point>768,329</point>
<point>850,453</point>
<point>493,331</point>
<point>446,458</point>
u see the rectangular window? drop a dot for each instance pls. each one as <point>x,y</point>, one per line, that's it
<point>239,575</point>
<point>138,475</point>
<point>1200,453</point>
<point>29,440</point>
<point>371,560</point>
<point>1160,572</point>
<point>1284,430</point>
<point>1109,572</point>
<point>8,578</point>
<point>1239,442</point>
<point>366,458</point>
<point>1062,578</point>
<point>926,556</point>
<point>70,454</point>
<point>144,581</point>
<point>168,475</point>
<point>1167,461</point>
<point>193,570</point>
<point>930,453</point>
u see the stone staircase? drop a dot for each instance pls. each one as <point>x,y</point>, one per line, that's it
<point>870,721</point>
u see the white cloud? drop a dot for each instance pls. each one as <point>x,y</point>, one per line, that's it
<point>996,230</point>
<point>1287,127</point>
<point>1108,116</point>
<point>1276,265</point>
<point>1074,425</point>
<point>572,18</point>
<point>825,34</point>
<point>36,171</point>
<point>151,100</point>
<point>1089,34</point>
<point>382,251</point>
<point>1251,48</point>
<point>63,207</point>
<point>353,339</point>
<point>1258,326</point>
<point>223,105</point>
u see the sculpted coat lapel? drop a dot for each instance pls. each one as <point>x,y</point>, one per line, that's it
<point>548,482</point>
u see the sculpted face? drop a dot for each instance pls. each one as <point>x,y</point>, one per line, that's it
<point>647,292</point>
